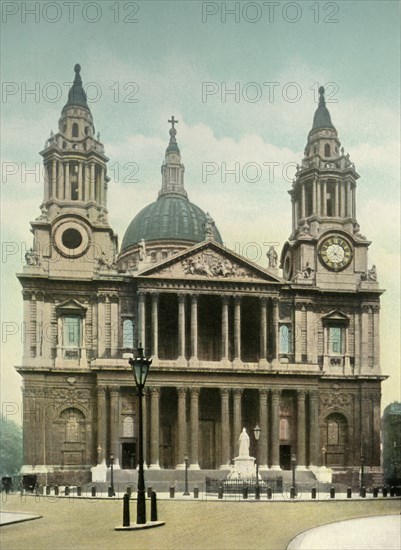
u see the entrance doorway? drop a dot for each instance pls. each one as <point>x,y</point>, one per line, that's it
<point>128,456</point>
<point>285,457</point>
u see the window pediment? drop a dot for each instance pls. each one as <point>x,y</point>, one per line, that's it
<point>71,307</point>
<point>335,316</point>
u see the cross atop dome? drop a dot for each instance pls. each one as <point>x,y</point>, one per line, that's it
<point>172,146</point>
<point>172,121</point>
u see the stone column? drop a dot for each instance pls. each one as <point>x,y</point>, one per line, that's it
<point>101,425</point>
<point>294,215</point>
<point>80,193</point>
<point>101,342</point>
<point>314,435</point>
<point>301,428</point>
<point>92,181</point>
<point>154,428</point>
<point>47,191</point>
<point>275,424</point>
<point>181,328</point>
<point>237,330</point>
<point>376,337</point>
<point>264,433</point>
<point>194,329</point>
<point>365,340</point>
<point>343,205</point>
<point>115,426</point>
<point>263,332</point>
<point>67,182</point>
<point>311,334</point>
<point>155,326</point>
<point>145,425</point>
<point>298,332</point>
<point>27,325</point>
<point>182,427</point>
<point>336,201</point>
<point>114,326</point>
<point>324,198</point>
<point>318,198</point>
<point>59,183</point>
<point>225,429</point>
<point>314,197</point>
<point>194,458</point>
<point>302,201</point>
<point>224,328</point>
<point>237,424</point>
<point>349,202</point>
<point>276,335</point>
<point>142,319</point>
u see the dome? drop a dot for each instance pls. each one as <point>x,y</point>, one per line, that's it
<point>170,218</point>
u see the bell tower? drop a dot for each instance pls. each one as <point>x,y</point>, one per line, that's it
<point>72,233</point>
<point>326,247</point>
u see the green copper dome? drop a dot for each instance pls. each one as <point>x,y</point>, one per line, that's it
<point>170,218</point>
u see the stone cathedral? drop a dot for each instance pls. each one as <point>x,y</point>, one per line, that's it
<point>292,347</point>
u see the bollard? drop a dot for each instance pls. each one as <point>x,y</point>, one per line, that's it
<point>292,492</point>
<point>313,492</point>
<point>126,520</point>
<point>349,492</point>
<point>392,491</point>
<point>332,492</point>
<point>269,493</point>
<point>79,491</point>
<point>245,492</point>
<point>93,491</point>
<point>110,492</point>
<point>385,491</point>
<point>67,490</point>
<point>47,489</point>
<point>153,506</point>
<point>150,489</point>
<point>196,492</point>
<point>220,492</point>
<point>257,492</point>
<point>129,490</point>
<point>41,489</point>
<point>363,492</point>
<point>172,491</point>
<point>375,492</point>
<point>56,490</point>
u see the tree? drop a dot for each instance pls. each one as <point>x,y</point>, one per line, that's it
<point>10,447</point>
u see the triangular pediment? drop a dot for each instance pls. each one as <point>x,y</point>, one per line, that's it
<point>71,306</point>
<point>209,260</point>
<point>335,315</point>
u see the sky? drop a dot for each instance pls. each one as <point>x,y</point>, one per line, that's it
<point>242,79</point>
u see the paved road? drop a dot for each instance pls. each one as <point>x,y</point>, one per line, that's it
<point>373,533</point>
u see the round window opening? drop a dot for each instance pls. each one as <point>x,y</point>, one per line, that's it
<point>71,238</point>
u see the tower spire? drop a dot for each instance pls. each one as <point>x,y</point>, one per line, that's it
<point>76,95</point>
<point>322,117</point>
<point>172,168</point>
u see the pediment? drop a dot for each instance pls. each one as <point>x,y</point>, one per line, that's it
<point>336,315</point>
<point>208,261</point>
<point>71,306</point>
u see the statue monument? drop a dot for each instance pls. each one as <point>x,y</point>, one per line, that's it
<point>244,464</point>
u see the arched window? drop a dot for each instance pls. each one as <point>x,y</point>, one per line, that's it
<point>128,426</point>
<point>285,434</point>
<point>74,420</point>
<point>128,334</point>
<point>285,338</point>
<point>75,130</point>
<point>327,150</point>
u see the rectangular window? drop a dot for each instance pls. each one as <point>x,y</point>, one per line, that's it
<point>336,340</point>
<point>72,331</point>
<point>285,339</point>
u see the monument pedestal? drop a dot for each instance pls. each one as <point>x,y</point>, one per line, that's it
<point>244,468</point>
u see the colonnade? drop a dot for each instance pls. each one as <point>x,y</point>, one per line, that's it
<point>88,178</point>
<point>266,348</point>
<point>304,439</point>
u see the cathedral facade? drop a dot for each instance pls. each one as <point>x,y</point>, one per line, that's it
<point>292,348</point>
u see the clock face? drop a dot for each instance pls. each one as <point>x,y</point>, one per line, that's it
<point>335,253</point>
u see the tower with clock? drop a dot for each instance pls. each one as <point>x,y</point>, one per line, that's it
<point>326,248</point>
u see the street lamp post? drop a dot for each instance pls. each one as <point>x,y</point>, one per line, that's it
<point>293,464</point>
<point>112,474</point>
<point>140,366</point>
<point>186,460</point>
<point>256,433</point>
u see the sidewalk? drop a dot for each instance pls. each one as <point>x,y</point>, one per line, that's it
<point>373,533</point>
